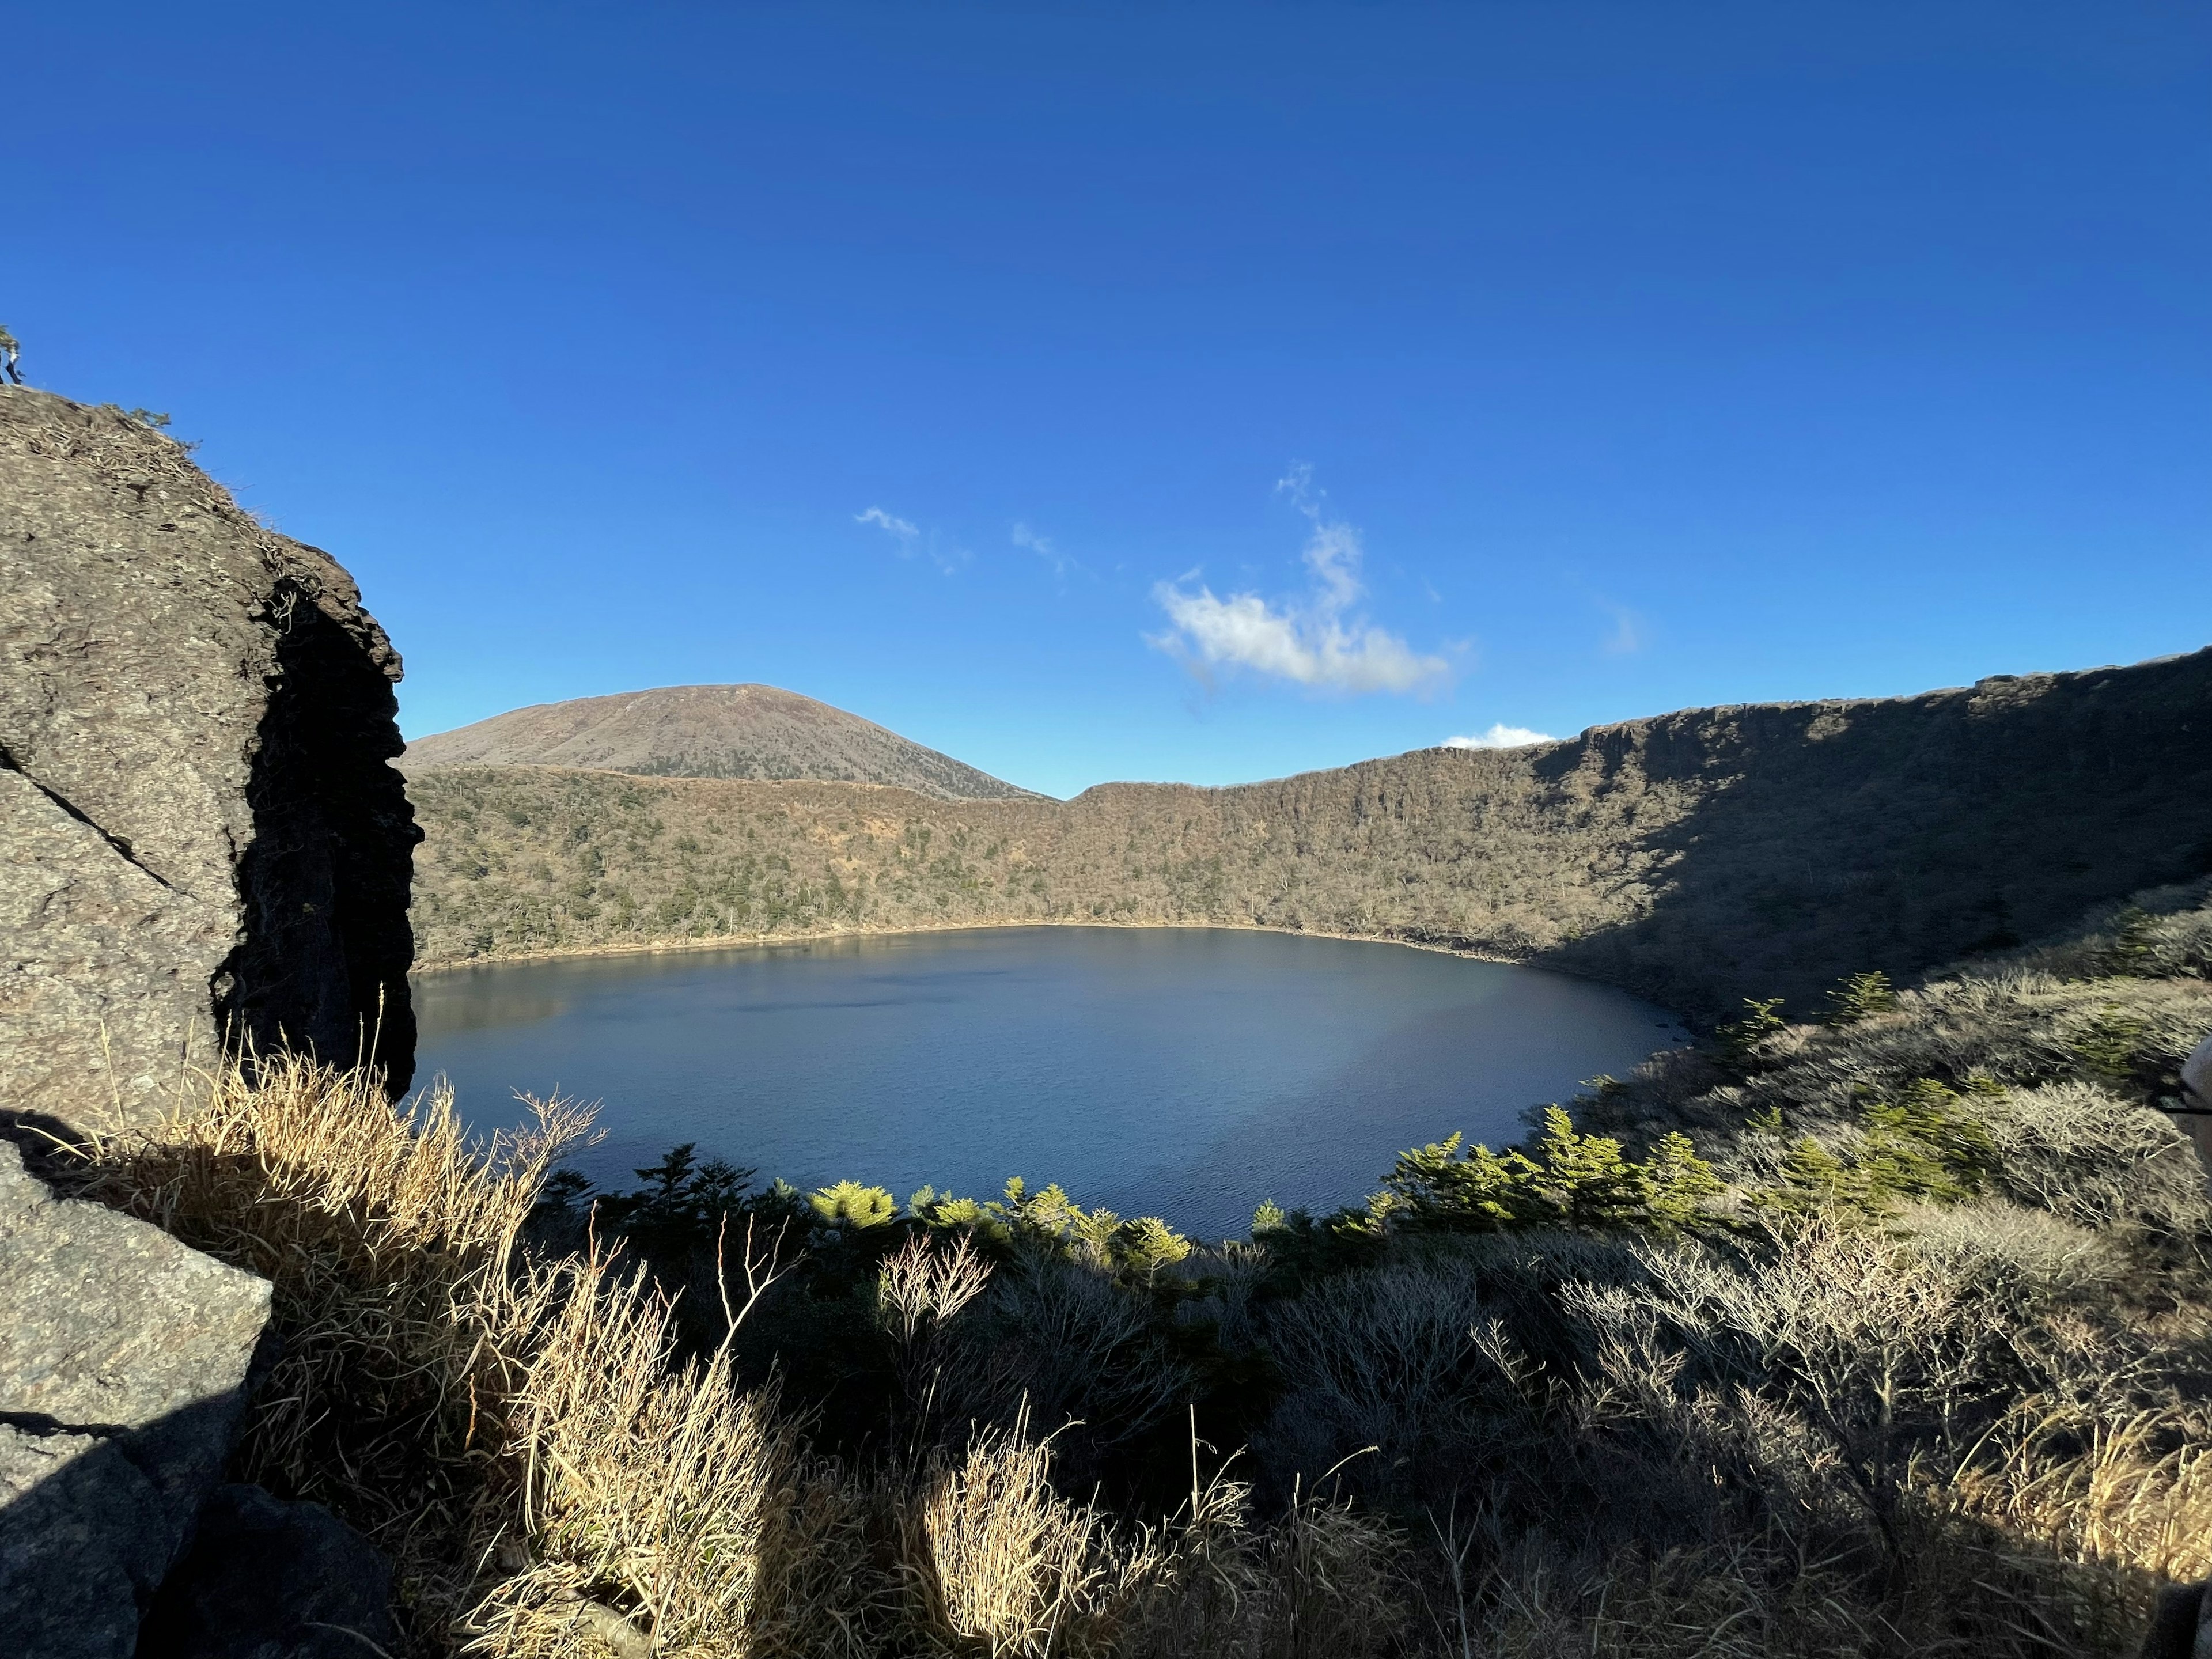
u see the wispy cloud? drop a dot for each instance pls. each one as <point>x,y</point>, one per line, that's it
<point>1631,633</point>
<point>904,533</point>
<point>1317,639</point>
<point>1501,735</point>
<point>912,539</point>
<point>1042,546</point>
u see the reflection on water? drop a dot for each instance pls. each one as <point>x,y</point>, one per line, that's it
<point>1187,1072</point>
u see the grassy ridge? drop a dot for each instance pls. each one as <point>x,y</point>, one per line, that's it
<point>1700,858</point>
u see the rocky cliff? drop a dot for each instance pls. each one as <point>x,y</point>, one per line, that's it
<point>202,833</point>
<point>1699,857</point>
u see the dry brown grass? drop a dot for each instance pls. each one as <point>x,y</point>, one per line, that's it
<point>1013,1566</point>
<point>658,1490</point>
<point>390,1243</point>
<point>2138,1496</point>
<point>554,1479</point>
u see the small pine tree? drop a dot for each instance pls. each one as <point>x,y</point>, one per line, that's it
<point>849,1205</point>
<point>1147,1244</point>
<point>1591,1183</point>
<point>1740,1039</point>
<point>565,1189</point>
<point>1481,1190</point>
<point>1812,1177</point>
<point>1683,1183</point>
<point>2133,932</point>
<point>1861,997</point>
<point>1904,1154</point>
<point>1582,1180</point>
<point>666,1182</point>
<point>1927,1144</point>
<point>680,1193</point>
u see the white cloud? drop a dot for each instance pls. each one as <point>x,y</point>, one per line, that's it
<point>900,531</point>
<point>912,540</point>
<point>1317,639</point>
<point>1061,563</point>
<point>1501,735</point>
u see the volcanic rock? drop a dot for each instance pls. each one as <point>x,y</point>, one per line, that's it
<point>123,1359</point>
<point>204,841</point>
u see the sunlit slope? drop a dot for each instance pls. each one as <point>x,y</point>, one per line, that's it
<point>708,732</point>
<point>1698,857</point>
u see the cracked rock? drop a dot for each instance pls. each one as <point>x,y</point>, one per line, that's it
<point>200,835</point>
<point>124,1356</point>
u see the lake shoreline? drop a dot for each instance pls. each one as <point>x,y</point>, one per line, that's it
<point>815,936</point>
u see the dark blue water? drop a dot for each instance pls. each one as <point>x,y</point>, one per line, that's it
<point>1183,1073</point>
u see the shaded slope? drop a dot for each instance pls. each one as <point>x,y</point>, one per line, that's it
<point>1699,857</point>
<point>708,732</point>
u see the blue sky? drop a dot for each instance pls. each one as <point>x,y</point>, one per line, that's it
<point>1188,391</point>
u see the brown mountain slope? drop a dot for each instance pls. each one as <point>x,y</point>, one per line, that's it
<point>708,732</point>
<point>1699,857</point>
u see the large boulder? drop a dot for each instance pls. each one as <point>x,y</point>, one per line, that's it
<point>123,1364</point>
<point>200,840</point>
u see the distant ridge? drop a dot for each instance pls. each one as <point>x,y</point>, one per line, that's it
<point>757,731</point>
<point>1699,858</point>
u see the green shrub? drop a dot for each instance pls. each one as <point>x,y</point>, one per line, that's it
<point>2134,932</point>
<point>1581,1181</point>
<point>1861,997</point>
<point>1739,1039</point>
<point>849,1205</point>
<point>1926,1146</point>
<point>1049,1222</point>
<point>2109,1045</point>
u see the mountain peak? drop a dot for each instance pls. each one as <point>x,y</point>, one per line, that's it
<point>746,731</point>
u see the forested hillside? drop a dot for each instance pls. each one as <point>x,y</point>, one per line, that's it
<point>1699,857</point>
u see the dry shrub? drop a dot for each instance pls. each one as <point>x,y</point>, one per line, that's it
<point>1002,1562</point>
<point>1000,1558</point>
<point>1535,1600</point>
<point>924,1284</point>
<point>921,1288</point>
<point>1061,1342</point>
<point>2077,1150</point>
<point>1386,1361</point>
<point>1961,1594</point>
<point>2133,1495</point>
<point>658,1491</point>
<point>555,1481</point>
<point>389,1241</point>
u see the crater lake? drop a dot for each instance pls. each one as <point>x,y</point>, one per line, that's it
<point>1189,1073</point>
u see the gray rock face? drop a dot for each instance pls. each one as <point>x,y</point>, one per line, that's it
<point>124,1358</point>
<point>266,1579</point>
<point>200,831</point>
